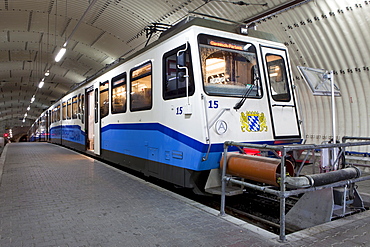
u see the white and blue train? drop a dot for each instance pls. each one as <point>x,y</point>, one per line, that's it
<point>167,110</point>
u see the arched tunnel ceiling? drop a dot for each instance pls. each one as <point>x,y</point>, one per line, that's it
<point>319,33</point>
<point>33,31</point>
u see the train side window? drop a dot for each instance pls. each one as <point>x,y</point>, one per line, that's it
<point>277,76</point>
<point>119,94</point>
<point>141,87</point>
<point>96,105</point>
<point>79,107</point>
<point>74,107</point>
<point>104,99</point>
<point>64,110</point>
<point>52,116</point>
<point>69,109</point>
<point>55,116</point>
<point>58,113</point>
<point>174,83</point>
<point>82,105</point>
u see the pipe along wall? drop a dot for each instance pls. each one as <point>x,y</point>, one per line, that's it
<point>267,170</point>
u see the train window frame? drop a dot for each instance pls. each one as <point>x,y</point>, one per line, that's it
<point>169,62</point>
<point>286,95</point>
<point>104,101</point>
<point>74,107</point>
<point>117,83</point>
<point>253,89</point>
<point>138,103</point>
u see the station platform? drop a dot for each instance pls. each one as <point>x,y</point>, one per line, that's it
<point>52,196</point>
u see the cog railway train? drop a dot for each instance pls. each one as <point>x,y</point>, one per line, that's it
<point>167,110</point>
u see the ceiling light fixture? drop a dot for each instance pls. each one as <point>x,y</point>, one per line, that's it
<point>60,54</point>
<point>63,50</point>
<point>41,84</point>
<point>32,99</point>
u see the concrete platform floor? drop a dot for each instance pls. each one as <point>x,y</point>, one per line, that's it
<point>52,196</point>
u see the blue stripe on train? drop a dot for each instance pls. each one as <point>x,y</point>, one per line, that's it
<point>163,130</point>
<point>159,143</point>
<point>72,133</point>
<point>156,142</point>
<point>151,141</point>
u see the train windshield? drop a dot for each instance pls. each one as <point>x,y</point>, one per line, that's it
<point>229,67</point>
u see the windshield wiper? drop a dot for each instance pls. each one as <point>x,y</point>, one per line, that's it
<point>245,96</point>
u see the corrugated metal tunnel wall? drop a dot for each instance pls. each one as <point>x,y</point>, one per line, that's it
<point>331,35</point>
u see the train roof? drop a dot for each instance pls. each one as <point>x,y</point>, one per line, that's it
<point>221,24</point>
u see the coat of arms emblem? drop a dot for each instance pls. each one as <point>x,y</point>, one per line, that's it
<point>253,121</point>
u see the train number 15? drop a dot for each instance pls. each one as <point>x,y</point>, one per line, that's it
<point>179,110</point>
<point>213,104</point>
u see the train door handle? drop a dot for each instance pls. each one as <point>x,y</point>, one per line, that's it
<point>283,105</point>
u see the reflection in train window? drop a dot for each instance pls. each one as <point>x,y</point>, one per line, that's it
<point>119,94</point>
<point>141,88</point>
<point>229,67</point>
<point>277,76</point>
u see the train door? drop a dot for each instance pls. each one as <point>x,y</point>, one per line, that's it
<point>90,120</point>
<point>47,125</point>
<point>283,107</point>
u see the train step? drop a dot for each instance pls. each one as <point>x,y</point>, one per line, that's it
<point>230,190</point>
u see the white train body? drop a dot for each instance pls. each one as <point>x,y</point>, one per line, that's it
<point>167,110</point>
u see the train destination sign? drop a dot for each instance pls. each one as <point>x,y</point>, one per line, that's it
<point>226,45</point>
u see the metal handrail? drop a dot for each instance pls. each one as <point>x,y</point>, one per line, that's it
<point>282,193</point>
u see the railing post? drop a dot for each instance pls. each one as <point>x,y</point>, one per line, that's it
<point>282,237</point>
<point>223,182</point>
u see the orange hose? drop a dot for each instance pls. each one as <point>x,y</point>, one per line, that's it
<point>256,168</point>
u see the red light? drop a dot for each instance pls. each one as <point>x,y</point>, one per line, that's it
<point>6,134</point>
<point>252,151</point>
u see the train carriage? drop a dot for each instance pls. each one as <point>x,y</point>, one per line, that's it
<point>167,110</point>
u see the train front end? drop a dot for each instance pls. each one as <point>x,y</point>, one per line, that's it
<point>247,93</point>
